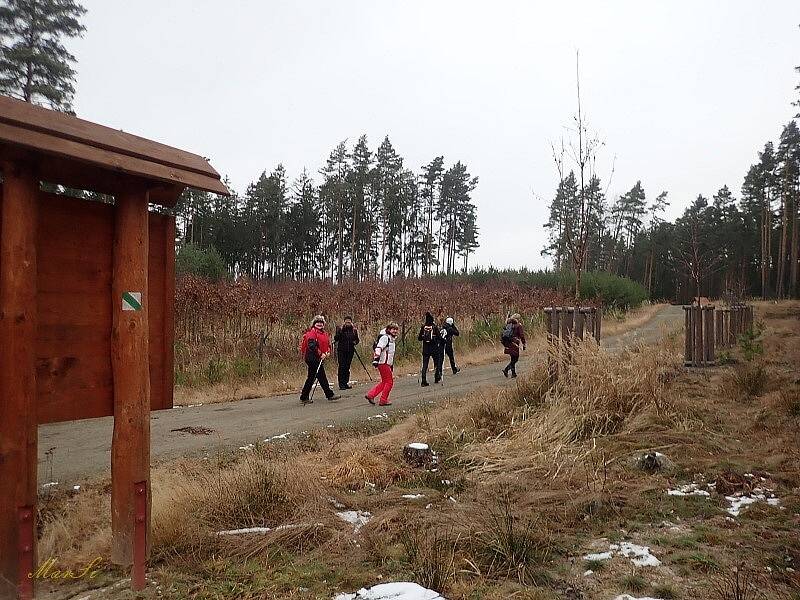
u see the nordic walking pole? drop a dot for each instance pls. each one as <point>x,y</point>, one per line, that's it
<point>362,364</point>
<point>316,380</point>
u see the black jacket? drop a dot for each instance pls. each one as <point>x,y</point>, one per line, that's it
<point>451,331</point>
<point>430,338</point>
<point>346,339</point>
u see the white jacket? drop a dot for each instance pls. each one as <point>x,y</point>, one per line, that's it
<point>384,350</point>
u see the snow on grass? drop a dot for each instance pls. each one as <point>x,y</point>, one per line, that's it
<point>263,530</point>
<point>739,501</point>
<point>49,485</point>
<point>690,489</point>
<point>282,436</point>
<point>378,416</point>
<point>413,496</point>
<point>356,518</point>
<point>629,597</point>
<point>399,590</point>
<point>640,555</point>
<point>418,446</point>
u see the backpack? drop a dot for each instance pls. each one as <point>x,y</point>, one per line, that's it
<point>377,339</point>
<point>507,336</point>
<point>311,350</point>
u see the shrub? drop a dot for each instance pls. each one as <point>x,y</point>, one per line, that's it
<point>205,262</point>
<point>431,557</point>
<point>747,380</point>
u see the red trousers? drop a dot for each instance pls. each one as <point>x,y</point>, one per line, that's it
<point>384,386</point>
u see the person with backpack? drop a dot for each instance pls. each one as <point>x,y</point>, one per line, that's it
<point>315,347</point>
<point>431,339</point>
<point>383,360</point>
<point>512,337</point>
<point>346,338</point>
<point>448,332</point>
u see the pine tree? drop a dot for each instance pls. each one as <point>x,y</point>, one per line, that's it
<point>34,64</point>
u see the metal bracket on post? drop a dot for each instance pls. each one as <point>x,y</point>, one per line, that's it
<point>138,581</point>
<point>25,528</point>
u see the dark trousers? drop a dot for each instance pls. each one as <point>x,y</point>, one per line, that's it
<point>345,358</point>
<point>512,366</point>
<point>449,351</point>
<point>319,375</point>
<point>438,358</point>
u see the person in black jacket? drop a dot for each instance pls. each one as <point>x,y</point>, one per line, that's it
<point>448,332</point>
<point>431,339</point>
<point>346,339</point>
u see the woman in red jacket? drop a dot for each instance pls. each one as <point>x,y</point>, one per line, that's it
<point>315,347</point>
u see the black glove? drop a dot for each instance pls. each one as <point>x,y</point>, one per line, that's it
<point>375,362</point>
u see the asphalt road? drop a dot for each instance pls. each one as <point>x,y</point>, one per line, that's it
<point>73,450</point>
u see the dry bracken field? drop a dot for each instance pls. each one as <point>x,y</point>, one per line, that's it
<point>632,475</point>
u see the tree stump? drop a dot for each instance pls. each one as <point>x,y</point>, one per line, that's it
<point>417,454</point>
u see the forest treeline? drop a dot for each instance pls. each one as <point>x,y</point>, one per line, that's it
<point>720,246</point>
<point>370,217</point>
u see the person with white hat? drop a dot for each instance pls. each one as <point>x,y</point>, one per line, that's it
<point>448,332</point>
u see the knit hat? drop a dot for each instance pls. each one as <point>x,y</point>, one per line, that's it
<point>428,318</point>
<point>318,319</point>
<point>449,320</point>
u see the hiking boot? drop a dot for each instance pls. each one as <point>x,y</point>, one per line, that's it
<point>345,387</point>
<point>513,373</point>
<point>370,400</point>
<point>437,379</point>
<point>333,398</point>
<point>425,383</point>
<point>505,372</point>
<point>306,401</point>
<point>387,403</point>
<point>457,370</point>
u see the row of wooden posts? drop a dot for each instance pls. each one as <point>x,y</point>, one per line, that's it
<point>708,328</point>
<point>565,324</point>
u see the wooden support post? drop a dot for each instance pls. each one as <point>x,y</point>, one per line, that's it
<point>718,327</point>
<point>130,451</point>
<point>18,419</point>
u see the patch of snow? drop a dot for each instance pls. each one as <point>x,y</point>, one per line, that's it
<point>248,447</point>
<point>629,597</point>
<point>418,446</point>
<point>599,556</point>
<point>690,489</point>
<point>282,436</point>
<point>50,484</point>
<point>244,531</point>
<point>356,518</point>
<point>738,502</point>
<point>428,506</point>
<point>588,572</point>
<point>76,488</point>
<point>413,496</point>
<point>378,416</point>
<point>399,590</point>
<point>640,555</point>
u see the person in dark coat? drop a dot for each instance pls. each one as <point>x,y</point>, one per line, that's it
<point>431,339</point>
<point>448,332</point>
<point>514,325</point>
<point>315,347</point>
<point>346,338</point>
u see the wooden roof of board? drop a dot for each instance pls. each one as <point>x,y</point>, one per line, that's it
<point>80,153</point>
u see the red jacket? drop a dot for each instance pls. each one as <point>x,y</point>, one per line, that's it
<point>323,342</point>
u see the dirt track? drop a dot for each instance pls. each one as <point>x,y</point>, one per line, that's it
<point>70,451</point>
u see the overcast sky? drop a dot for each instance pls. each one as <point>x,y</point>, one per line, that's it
<point>683,93</point>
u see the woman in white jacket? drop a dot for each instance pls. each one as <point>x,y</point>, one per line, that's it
<point>383,359</point>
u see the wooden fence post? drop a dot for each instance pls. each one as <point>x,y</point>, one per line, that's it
<point>709,357</point>
<point>130,451</point>
<point>551,317</point>
<point>18,418</point>
<point>688,336</point>
<point>579,323</point>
